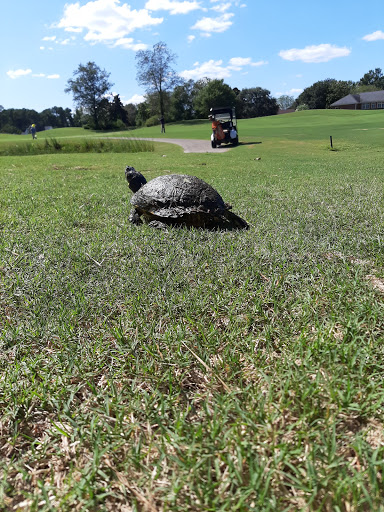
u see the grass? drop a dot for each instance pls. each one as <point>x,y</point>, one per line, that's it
<point>80,145</point>
<point>349,128</point>
<point>192,370</point>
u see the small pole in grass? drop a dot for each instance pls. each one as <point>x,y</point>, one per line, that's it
<point>330,138</point>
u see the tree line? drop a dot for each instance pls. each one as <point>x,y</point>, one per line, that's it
<point>169,96</point>
<point>323,93</point>
<point>17,120</point>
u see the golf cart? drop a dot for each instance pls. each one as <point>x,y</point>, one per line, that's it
<point>224,126</point>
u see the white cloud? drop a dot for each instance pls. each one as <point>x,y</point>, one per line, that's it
<point>42,48</point>
<point>291,92</point>
<point>215,69</point>
<point>24,72</point>
<point>221,7</point>
<point>217,25</point>
<point>52,38</point>
<point>173,6</point>
<point>209,69</point>
<point>136,99</point>
<point>128,44</point>
<point>315,54</point>
<point>259,63</point>
<point>74,29</point>
<point>17,73</point>
<point>105,21</point>
<point>375,36</point>
<point>239,62</point>
<point>191,38</point>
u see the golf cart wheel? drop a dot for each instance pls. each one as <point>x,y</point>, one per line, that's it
<point>235,141</point>
<point>213,144</point>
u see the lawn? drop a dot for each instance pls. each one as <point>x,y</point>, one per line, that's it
<point>186,370</point>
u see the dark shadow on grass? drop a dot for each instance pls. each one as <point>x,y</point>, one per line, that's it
<point>249,143</point>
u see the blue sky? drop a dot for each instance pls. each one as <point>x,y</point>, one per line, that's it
<point>279,45</point>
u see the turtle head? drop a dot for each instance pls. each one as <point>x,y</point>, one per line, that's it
<point>135,179</point>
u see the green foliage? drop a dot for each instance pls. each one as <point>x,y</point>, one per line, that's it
<point>155,72</point>
<point>117,111</point>
<point>325,92</point>
<point>285,101</point>
<point>88,88</point>
<point>18,120</point>
<point>131,111</point>
<point>256,102</point>
<point>315,96</point>
<point>152,102</point>
<point>337,90</point>
<point>15,120</point>
<point>182,102</point>
<point>358,88</point>
<point>215,93</point>
<point>8,128</point>
<point>143,113</point>
<point>152,121</point>
<point>374,77</point>
<point>302,106</point>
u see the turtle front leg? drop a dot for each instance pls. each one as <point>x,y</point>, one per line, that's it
<point>134,217</point>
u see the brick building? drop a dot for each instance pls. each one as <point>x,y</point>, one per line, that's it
<point>363,101</point>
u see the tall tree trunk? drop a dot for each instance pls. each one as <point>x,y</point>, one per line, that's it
<point>161,103</point>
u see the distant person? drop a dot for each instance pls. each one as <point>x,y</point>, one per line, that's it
<point>33,131</point>
<point>162,122</point>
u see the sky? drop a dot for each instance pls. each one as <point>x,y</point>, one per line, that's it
<point>278,45</point>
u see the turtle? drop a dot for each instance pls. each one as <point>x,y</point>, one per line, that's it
<point>179,200</point>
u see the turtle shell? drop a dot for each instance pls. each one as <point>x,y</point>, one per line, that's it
<point>177,195</point>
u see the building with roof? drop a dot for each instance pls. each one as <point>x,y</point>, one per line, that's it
<point>364,101</point>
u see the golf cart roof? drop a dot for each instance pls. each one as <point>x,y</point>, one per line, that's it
<point>223,110</point>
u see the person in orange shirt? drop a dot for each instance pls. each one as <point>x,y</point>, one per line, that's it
<point>217,129</point>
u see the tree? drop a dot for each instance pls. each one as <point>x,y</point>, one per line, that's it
<point>256,102</point>
<point>181,108</point>
<point>316,95</point>
<point>337,90</point>
<point>143,113</point>
<point>57,117</point>
<point>285,101</point>
<point>78,117</point>
<point>214,93</point>
<point>155,72</point>
<point>374,77</point>
<point>17,120</point>
<point>89,89</point>
<point>117,111</point>
<point>131,111</point>
<point>323,93</point>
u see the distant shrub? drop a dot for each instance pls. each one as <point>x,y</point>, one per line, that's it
<point>8,128</point>
<point>303,106</point>
<point>152,121</point>
<point>118,125</point>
